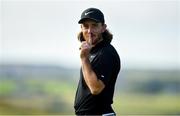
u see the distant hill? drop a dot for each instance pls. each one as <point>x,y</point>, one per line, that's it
<point>133,80</point>
<point>35,71</point>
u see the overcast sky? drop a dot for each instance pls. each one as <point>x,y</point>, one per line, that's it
<point>146,32</point>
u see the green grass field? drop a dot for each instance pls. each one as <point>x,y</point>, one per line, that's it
<point>147,104</point>
<point>57,97</point>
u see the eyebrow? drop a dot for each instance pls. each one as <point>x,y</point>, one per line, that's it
<point>91,23</point>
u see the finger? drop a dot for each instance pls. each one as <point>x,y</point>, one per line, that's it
<point>83,42</point>
<point>84,45</point>
<point>90,42</point>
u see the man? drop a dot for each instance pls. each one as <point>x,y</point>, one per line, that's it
<point>100,66</point>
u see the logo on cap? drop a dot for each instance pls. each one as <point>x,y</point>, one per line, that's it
<point>86,13</point>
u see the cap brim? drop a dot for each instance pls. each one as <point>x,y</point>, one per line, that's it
<point>84,19</point>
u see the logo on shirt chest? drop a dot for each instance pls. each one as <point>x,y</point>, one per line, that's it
<point>92,57</point>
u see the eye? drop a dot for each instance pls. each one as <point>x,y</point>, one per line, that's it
<point>95,25</point>
<point>85,26</point>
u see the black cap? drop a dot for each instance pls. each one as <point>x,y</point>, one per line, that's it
<point>93,14</point>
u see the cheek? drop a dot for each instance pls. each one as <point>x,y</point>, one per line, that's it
<point>100,30</point>
<point>85,34</point>
<point>98,34</point>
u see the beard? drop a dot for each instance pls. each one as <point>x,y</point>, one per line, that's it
<point>99,39</point>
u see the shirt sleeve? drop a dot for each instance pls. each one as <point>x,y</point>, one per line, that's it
<point>103,67</point>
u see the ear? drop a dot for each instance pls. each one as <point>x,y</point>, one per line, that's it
<point>104,27</point>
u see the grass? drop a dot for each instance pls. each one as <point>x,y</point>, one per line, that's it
<point>147,104</point>
<point>7,87</point>
<point>57,97</point>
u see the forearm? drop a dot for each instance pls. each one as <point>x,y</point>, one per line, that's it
<point>95,85</point>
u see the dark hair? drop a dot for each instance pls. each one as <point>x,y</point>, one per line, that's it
<point>106,35</point>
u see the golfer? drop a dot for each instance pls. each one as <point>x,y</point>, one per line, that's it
<point>100,65</point>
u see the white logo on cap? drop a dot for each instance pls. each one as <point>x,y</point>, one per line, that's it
<point>86,13</point>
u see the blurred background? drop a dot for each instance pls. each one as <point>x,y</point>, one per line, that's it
<point>39,56</point>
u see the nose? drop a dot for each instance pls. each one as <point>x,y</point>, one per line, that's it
<point>90,30</point>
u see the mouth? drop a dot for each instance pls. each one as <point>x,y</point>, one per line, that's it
<point>91,36</point>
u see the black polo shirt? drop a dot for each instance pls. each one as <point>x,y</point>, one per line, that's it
<point>105,63</point>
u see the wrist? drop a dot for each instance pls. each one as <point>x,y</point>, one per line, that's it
<point>85,59</point>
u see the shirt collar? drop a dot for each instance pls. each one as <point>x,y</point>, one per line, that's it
<point>98,46</point>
